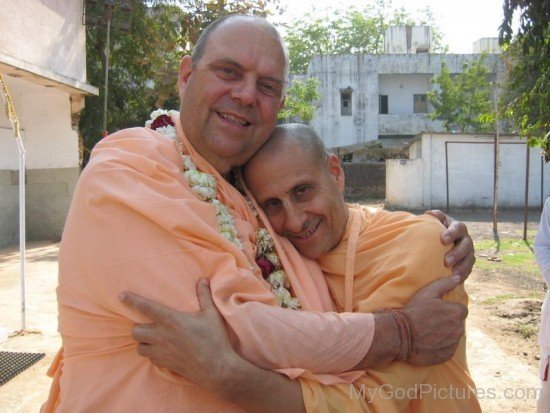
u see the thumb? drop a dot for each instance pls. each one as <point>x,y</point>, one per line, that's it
<point>439,287</point>
<point>204,295</point>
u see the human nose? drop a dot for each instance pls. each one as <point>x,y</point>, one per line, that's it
<point>245,92</point>
<point>295,219</point>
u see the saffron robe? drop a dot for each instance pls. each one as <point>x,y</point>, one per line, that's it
<point>134,224</point>
<point>383,259</point>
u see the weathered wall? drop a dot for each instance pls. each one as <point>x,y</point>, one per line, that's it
<point>421,183</point>
<point>371,75</point>
<point>365,180</point>
<point>46,33</point>
<point>48,196</point>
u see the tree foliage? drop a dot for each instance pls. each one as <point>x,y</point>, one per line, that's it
<point>527,58</point>
<point>301,100</point>
<point>144,61</point>
<point>463,101</point>
<point>351,31</point>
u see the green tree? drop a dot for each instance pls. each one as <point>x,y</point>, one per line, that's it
<point>463,101</point>
<point>144,60</point>
<point>301,99</point>
<point>349,32</point>
<point>527,57</point>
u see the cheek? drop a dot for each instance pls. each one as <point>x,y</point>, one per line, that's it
<point>277,222</point>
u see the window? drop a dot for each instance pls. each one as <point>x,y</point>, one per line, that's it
<point>345,102</point>
<point>383,104</point>
<point>420,104</point>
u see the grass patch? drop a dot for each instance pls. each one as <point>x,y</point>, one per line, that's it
<point>498,298</point>
<point>526,330</point>
<point>513,253</point>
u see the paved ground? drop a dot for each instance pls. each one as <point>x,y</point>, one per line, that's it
<point>504,380</point>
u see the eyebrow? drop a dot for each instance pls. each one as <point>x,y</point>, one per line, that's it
<point>236,64</point>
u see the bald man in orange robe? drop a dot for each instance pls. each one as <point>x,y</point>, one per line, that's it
<point>136,224</point>
<point>371,260</point>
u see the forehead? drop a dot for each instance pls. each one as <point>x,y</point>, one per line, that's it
<point>272,175</point>
<point>251,44</point>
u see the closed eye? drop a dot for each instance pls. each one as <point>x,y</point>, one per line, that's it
<point>271,206</point>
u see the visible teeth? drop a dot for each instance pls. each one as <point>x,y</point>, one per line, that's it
<point>230,117</point>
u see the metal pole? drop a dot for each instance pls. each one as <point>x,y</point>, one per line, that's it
<point>22,232</point>
<point>526,208</point>
<point>495,176</point>
<point>12,115</point>
<point>107,53</point>
<point>447,173</point>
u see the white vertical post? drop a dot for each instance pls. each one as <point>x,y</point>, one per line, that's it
<point>22,232</point>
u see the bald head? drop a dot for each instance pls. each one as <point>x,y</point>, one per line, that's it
<point>291,137</point>
<point>299,186</point>
<point>242,19</point>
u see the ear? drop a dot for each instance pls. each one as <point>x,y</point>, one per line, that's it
<point>186,68</point>
<point>336,172</point>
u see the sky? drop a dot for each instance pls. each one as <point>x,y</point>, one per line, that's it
<point>462,22</point>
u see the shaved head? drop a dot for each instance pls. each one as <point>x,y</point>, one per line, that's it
<point>299,186</point>
<point>292,136</point>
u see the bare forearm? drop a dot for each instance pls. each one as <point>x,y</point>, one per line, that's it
<point>256,389</point>
<point>385,343</point>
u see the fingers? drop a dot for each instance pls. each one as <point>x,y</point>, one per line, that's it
<point>456,230</point>
<point>464,267</point>
<point>438,288</point>
<point>152,310</point>
<point>440,215</point>
<point>204,295</point>
<point>145,333</point>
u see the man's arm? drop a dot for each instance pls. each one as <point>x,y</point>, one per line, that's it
<point>213,364</point>
<point>175,338</point>
<point>461,257</point>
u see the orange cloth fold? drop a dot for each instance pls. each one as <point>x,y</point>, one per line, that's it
<point>135,225</point>
<point>395,255</point>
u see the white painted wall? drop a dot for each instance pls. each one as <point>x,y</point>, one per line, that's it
<point>45,33</point>
<point>400,90</point>
<point>44,115</point>
<point>420,183</point>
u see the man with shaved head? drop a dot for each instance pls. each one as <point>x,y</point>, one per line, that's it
<point>155,210</point>
<point>371,259</point>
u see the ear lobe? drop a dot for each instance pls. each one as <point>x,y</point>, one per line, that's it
<point>336,172</point>
<point>186,68</point>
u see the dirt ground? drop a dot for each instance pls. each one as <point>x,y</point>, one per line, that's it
<point>503,359</point>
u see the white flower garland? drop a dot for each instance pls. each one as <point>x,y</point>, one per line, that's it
<point>204,185</point>
<point>277,278</point>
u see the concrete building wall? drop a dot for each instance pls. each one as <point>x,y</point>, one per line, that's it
<point>408,39</point>
<point>368,76</point>
<point>400,90</point>
<point>51,147</point>
<point>43,62</point>
<point>46,33</point>
<point>487,45</point>
<point>421,182</point>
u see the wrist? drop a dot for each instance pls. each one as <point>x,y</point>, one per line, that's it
<point>386,344</point>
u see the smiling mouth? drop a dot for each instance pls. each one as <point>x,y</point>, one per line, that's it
<point>306,235</point>
<point>232,118</point>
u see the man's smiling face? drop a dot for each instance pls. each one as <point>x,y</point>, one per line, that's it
<point>301,196</point>
<point>230,98</point>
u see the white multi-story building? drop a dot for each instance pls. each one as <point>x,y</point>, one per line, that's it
<point>366,98</point>
<point>43,63</point>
